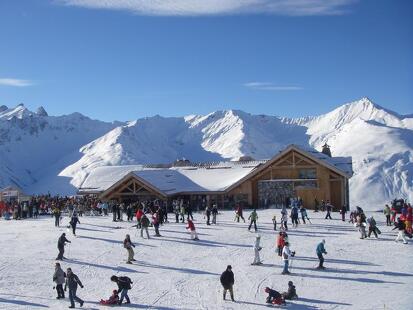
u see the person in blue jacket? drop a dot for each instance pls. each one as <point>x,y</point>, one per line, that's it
<point>320,251</point>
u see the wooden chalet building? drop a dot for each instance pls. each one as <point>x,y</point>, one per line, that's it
<point>294,172</point>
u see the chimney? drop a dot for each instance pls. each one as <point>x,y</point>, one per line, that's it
<point>326,150</point>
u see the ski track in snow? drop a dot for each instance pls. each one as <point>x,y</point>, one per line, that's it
<point>174,272</point>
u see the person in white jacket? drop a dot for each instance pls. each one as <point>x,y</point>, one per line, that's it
<point>257,249</point>
<point>286,254</point>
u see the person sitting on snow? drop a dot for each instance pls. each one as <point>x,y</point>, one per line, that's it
<point>291,293</point>
<point>274,297</point>
<point>113,300</point>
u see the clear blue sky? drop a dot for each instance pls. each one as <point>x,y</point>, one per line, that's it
<point>277,57</point>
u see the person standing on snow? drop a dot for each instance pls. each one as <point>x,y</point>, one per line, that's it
<point>361,223</point>
<point>144,225</point>
<point>286,254</point>
<point>72,281</point>
<point>257,249</point>
<point>227,282</point>
<point>343,212</point>
<point>208,214</point>
<point>386,213</point>
<point>61,246</point>
<point>155,222</point>
<point>57,214</point>
<point>281,239</point>
<point>74,221</point>
<point>304,215</point>
<point>373,227</point>
<point>127,244</point>
<point>59,277</point>
<point>294,215</point>
<point>320,250</point>
<point>214,213</point>
<point>192,231</point>
<point>401,226</point>
<point>253,219</point>
<point>329,209</point>
<point>239,213</point>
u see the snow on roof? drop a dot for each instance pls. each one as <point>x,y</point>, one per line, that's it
<point>202,177</point>
<point>197,178</point>
<point>101,178</point>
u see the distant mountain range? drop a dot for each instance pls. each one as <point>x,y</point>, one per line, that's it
<point>42,153</point>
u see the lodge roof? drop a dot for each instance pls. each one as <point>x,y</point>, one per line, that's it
<point>200,177</point>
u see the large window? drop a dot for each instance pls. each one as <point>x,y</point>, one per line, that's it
<point>307,173</point>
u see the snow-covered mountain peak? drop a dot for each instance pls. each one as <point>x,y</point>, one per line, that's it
<point>20,112</point>
<point>3,108</point>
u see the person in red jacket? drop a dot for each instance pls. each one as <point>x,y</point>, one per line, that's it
<point>192,231</point>
<point>139,215</point>
<point>281,239</point>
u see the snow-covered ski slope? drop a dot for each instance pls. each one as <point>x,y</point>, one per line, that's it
<point>173,272</point>
<point>42,153</point>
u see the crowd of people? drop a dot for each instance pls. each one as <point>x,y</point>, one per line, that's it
<point>147,214</point>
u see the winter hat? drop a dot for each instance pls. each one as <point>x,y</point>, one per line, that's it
<point>229,267</point>
<point>323,241</point>
<point>267,289</point>
<point>290,283</point>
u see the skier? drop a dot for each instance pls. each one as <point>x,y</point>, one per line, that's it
<point>127,244</point>
<point>227,281</point>
<point>72,281</point>
<point>373,227</point>
<point>284,220</point>
<point>139,214</point>
<point>155,222</point>
<point>74,221</point>
<point>239,213</point>
<point>214,213</point>
<point>182,211</point>
<point>291,292</point>
<point>329,209</point>
<point>274,221</point>
<point>61,246</point>
<point>343,212</point>
<point>286,254</point>
<point>274,297</point>
<point>386,213</point>
<point>257,249</point>
<point>189,212</point>
<point>57,214</point>
<point>176,210</point>
<point>320,250</point>
<point>191,227</point>
<point>304,215</point>
<point>144,225</point>
<point>361,224</point>
<point>124,285</point>
<point>281,239</point>
<point>208,214</point>
<point>294,215</point>
<point>253,219</point>
<point>401,226</point>
<point>113,300</point>
<point>409,219</point>
<point>59,278</point>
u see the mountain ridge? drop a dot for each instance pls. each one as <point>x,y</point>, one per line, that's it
<point>382,152</point>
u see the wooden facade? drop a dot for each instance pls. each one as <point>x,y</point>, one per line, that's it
<point>293,173</point>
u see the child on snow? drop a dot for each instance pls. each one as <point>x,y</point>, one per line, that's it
<point>274,297</point>
<point>113,300</point>
<point>291,292</point>
<point>192,231</point>
<point>274,221</point>
<point>281,239</point>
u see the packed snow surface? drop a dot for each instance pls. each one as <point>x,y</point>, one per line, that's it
<point>173,272</point>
